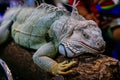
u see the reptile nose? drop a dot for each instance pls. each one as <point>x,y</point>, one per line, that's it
<point>101,46</point>
<point>100,43</point>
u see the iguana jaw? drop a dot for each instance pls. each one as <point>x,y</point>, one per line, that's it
<point>72,50</point>
<point>94,49</point>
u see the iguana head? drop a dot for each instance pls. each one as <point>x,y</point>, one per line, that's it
<point>78,37</point>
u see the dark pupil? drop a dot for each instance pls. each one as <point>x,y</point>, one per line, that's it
<point>85,35</point>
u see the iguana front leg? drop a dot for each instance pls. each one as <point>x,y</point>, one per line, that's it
<point>42,58</point>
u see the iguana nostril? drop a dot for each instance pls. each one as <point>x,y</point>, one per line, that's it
<point>101,46</point>
<point>98,44</point>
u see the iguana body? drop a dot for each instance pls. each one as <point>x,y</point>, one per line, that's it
<point>49,29</point>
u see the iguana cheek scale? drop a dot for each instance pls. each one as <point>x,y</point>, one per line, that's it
<point>49,29</point>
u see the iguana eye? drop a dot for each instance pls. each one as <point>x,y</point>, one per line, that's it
<point>85,35</point>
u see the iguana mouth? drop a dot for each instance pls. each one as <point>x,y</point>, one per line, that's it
<point>99,50</point>
<point>77,47</point>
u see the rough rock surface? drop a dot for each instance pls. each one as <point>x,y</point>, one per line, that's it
<point>89,67</point>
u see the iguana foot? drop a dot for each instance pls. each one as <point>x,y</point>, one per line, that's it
<point>59,68</point>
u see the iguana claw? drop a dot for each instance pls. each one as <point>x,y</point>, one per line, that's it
<point>59,68</point>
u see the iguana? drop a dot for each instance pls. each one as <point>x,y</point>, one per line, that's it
<point>49,29</point>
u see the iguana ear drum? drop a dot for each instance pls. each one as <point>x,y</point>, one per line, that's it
<point>5,73</point>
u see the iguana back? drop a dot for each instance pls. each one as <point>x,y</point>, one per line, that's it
<point>32,24</point>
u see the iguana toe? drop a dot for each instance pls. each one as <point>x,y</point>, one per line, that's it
<point>65,72</point>
<point>60,68</point>
<point>65,65</point>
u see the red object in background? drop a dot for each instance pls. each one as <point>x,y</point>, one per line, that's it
<point>91,5</point>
